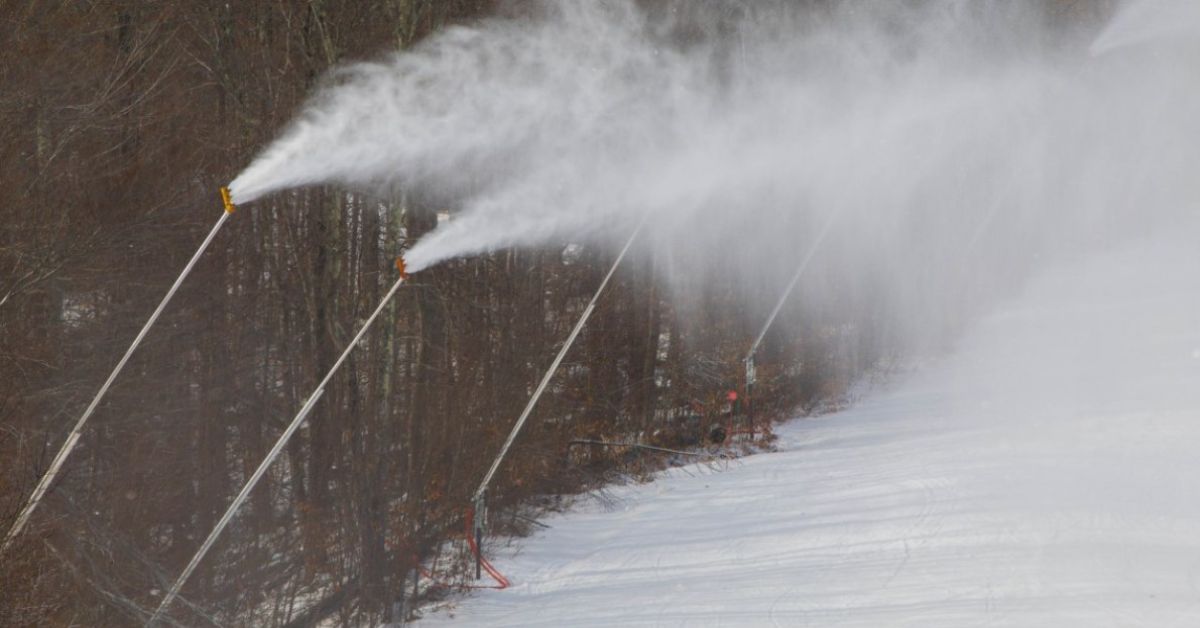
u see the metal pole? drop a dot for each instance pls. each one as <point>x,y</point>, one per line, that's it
<point>537,394</point>
<point>478,551</point>
<point>416,587</point>
<point>751,379</point>
<point>278,447</point>
<point>791,285</point>
<point>43,485</point>
<point>751,373</point>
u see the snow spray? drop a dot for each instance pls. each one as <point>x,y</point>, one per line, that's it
<point>961,143</point>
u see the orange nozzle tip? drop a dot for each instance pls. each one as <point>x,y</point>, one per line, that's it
<point>401,267</point>
<point>228,201</point>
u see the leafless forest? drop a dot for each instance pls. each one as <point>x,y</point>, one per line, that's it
<point>118,122</point>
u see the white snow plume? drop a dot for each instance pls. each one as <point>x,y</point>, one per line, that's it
<point>955,145</point>
<point>1142,21</point>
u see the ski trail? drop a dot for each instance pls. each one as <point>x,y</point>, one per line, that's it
<point>1042,475</point>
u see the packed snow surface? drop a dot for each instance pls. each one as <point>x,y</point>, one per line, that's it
<point>1046,473</point>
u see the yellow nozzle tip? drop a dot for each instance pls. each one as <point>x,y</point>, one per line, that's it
<point>228,201</point>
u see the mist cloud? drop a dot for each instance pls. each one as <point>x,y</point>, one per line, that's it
<point>954,145</point>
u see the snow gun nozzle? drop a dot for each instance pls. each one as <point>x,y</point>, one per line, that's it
<point>402,268</point>
<point>228,201</point>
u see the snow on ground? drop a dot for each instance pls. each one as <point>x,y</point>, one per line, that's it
<point>1046,474</point>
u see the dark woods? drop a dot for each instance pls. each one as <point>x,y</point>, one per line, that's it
<point>118,121</point>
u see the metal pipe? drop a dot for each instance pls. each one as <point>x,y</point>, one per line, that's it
<point>537,394</point>
<point>43,485</point>
<point>275,450</point>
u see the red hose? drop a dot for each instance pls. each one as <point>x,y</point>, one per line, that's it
<point>501,581</point>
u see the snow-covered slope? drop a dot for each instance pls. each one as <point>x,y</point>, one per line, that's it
<point>1047,474</point>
